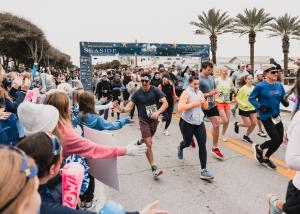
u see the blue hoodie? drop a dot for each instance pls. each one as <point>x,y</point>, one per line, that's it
<point>267,95</point>
<point>97,122</point>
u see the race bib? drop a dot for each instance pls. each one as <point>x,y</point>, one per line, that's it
<point>150,109</point>
<point>226,97</point>
<point>276,120</point>
<point>210,99</point>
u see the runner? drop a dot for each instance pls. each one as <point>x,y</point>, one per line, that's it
<point>291,204</point>
<point>103,91</point>
<point>225,88</point>
<point>246,109</point>
<point>191,123</point>
<point>266,98</point>
<point>237,78</point>
<point>208,87</point>
<point>259,78</point>
<point>148,99</point>
<point>168,88</point>
<point>156,80</point>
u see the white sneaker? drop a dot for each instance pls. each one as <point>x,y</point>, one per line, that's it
<point>224,138</point>
<point>166,132</point>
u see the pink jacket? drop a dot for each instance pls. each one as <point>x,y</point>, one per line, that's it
<point>73,143</point>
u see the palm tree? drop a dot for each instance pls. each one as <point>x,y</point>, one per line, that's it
<point>287,27</point>
<point>251,22</point>
<point>213,23</point>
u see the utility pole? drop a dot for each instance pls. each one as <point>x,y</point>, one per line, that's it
<point>135,56</point>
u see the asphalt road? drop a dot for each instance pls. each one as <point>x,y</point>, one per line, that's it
<point>240,186</point>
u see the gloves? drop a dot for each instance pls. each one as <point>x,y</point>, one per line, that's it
<point>265,108</point>
<point>136,150</point>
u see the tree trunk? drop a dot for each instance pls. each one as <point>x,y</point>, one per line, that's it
<point>213,46</point>
<point>252,36</point>
<point>285,49</point>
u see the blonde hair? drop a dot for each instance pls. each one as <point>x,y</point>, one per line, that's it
<point>13,181</point>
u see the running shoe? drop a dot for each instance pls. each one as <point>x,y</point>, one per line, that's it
<point>156,172</point>
<point>224,138</point>
<point>262,134</point>
<point>180,153</point>
<point>90,206</point>
<point>166,132</point>
<point>272,204</point>
<point>247,139</point>
<point>205,175</point>
<point>217,153</point>
<point>236,127</point>
<point>258,154</point>
<point>269,164</point>
<point>193,144</point>
<point>233,112</point>
<point>206,119</point>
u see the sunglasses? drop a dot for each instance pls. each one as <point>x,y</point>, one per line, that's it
<point>28,172</point>
<point>274,72</point>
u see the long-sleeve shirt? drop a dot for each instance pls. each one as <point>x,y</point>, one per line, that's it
<point>242,98</point>
<point>292,156</point>
<point>73,143</point>
<point>97,122</point>
<point>267,95</point>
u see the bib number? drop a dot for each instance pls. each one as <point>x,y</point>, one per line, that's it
<point>150,109</point>
<point>276,120</point>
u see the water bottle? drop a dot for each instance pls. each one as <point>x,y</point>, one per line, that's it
<point>112,207</point>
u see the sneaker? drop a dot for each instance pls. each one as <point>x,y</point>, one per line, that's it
<point>166,132</point>
<point>193,144</point>
<point>205,175</point>
<point>224,138</point>
<point>180,153</point>
<point>269,164</point>
<point>206,119</point>
<point>90,206</point>
<point>272,204</point>
<point>262,134</point>
<point>258,154</point>
<point>247,139</point>
<point>156,172</point>
<point>217,153</point>
<point>233,111</point>
<point>236,127</point>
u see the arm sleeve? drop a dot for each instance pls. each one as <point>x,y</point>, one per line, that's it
<point>254,95</point>
<point>75,144</point>
<point>292,155</point>
<point>103,124</point>
<point>13,106</point>
<point>159,93</point>
<point>100,107</point>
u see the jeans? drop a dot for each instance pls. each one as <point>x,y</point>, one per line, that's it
<point>188,131</point>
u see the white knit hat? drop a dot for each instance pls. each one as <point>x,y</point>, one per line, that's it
<point>37,117</point>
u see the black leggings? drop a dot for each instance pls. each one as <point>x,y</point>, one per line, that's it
<point>292,204</point>
<point>88,196</point>
<point>275,132</point>
<point>187,131</point>
<point>167,115</point>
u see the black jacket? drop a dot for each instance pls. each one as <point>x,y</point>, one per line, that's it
<point>104,89</point>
